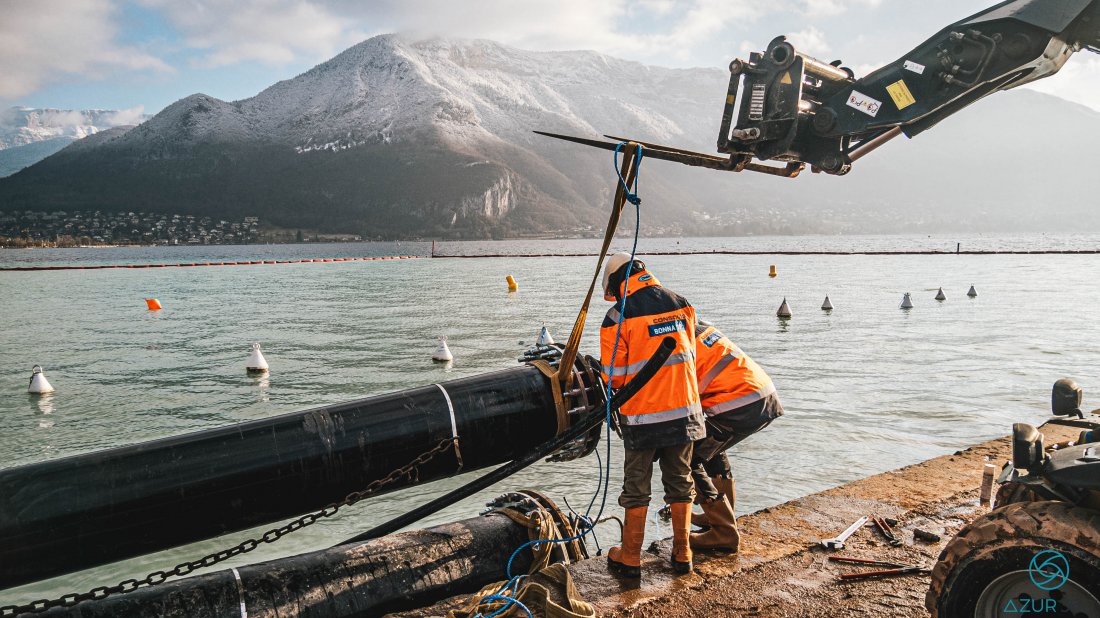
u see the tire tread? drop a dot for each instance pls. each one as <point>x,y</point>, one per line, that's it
<point>1018,521</point>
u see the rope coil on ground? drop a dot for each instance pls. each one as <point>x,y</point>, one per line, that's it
<point>522,593</point>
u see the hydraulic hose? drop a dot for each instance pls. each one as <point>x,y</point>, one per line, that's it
<point>582,426</point>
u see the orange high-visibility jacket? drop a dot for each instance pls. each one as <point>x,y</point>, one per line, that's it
<point>728,378</point>
<point>652,313</point>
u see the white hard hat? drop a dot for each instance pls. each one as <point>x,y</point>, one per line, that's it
<point>614,263</point>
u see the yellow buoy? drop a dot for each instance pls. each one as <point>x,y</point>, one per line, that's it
<point>512,285</point>
<point>153,304</point>
<point>771,272</point>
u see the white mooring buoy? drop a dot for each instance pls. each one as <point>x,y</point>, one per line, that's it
<point>544,338</point>
<point>442,353</point>
<point>784,310</point>
<point>256,361</point>
<point>940,295</point>
<point>827,305</point>
<point>39,385</point>
<point>906,301</point>
<point>972,293</point>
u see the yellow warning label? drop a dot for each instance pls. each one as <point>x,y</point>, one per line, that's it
<point>899,92</point>
<point>786,79</point>
<point>729,99</point>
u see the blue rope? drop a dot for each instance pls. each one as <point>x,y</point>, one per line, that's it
<point>631,197</point>
<point>509,601</point>
<point>588,524</point>
<point>618,331</point>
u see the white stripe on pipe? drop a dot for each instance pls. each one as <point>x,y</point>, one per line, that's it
<point>451,410</point>
<point>240,592</point>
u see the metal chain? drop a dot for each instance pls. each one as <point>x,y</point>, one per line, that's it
<point>408,471</point>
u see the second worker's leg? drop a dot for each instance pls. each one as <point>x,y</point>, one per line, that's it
<point>708,463</point>
<point>719,511</point>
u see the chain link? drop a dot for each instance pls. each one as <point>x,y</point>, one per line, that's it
<point>408,471</point>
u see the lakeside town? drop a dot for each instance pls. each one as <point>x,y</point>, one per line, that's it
<point>98,228</point>
<point>29,228</point>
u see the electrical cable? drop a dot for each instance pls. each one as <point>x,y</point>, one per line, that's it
<point>605,470</point>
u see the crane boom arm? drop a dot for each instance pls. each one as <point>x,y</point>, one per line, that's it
<point>789,107</point>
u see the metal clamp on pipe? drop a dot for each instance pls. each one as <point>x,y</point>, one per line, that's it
<point>587,391</point>
<point>592,419</point>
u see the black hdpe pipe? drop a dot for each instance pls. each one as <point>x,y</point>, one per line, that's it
<point>73,513</point>
<point>366,575</point>
<point>579,428</point>
<point>401,571</point>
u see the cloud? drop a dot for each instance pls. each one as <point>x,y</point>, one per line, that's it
<point>44,42</point>
<point>15,117</point>
<point>810,41</point>
<point>816,9</point>
<point>280,32</point>
<point>658,31</point>
<point>61,118</point>
<point>275,32</point>
<point>124,117</point>
<point>1078,81</point>
<point>660,7</point>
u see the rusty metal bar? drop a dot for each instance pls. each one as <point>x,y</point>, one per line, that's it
<point>867,147</point>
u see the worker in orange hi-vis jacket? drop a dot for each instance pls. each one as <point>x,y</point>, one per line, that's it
<point>738,400</point>
<point>665,417</point>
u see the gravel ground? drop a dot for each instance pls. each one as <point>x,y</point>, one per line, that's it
<point>781,571</point>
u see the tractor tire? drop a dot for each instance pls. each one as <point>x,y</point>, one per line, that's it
<point>1012,492</point>
<point>984,572</point>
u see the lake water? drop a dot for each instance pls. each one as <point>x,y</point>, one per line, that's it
<point>867,388</point>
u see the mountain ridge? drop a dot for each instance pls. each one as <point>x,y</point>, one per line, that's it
<point>28,135</point>
<point>398,137</point>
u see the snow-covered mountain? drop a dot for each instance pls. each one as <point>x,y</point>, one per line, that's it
<point>433,137</point>
<point>388,89</point>
<point>28,135</point>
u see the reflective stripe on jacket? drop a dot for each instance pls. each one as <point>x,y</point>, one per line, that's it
<point>728,378</point>
<point>652,313</point>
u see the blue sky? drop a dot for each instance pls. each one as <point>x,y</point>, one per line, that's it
<point>79,54</point>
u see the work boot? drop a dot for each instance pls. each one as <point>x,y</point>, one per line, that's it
<point>723,528</point>
<point>627,559</point>
<point>681,534</point>
<point>724,486</point>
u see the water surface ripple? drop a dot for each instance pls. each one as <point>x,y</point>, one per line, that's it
<point>867,388</point>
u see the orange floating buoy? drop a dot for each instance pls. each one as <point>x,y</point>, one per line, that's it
<point>153,304</point>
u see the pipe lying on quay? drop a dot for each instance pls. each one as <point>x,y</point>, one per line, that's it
<point>78,512</point>
<point>400,571</point>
